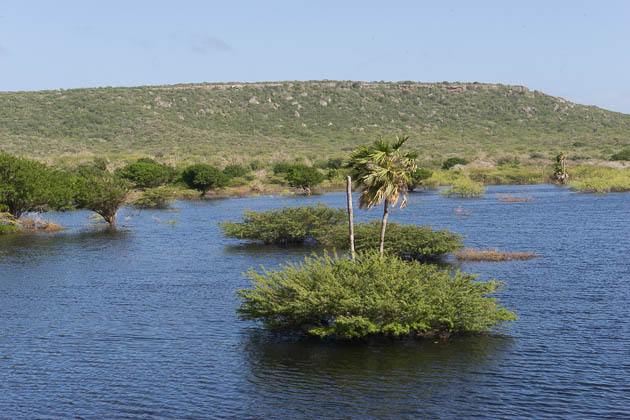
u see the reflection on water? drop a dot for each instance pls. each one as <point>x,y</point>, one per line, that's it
<point>141,322</point>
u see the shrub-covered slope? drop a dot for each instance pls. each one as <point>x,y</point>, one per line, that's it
<point>312,119</point>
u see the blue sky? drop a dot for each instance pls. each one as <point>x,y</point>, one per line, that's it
<point>575,49</point>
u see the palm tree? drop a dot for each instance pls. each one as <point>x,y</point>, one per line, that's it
<point>383,172</point>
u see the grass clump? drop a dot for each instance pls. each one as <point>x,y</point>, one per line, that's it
<point>376,295</point>
<point>288,225</point>
<point>465,188</point>
<point>492,254</point>
<point>405,241</point>
<point>509,198</point>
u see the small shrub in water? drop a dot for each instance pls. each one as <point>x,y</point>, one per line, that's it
<point>465,188</point>
<point>375,295</point>
<point>405,241</point>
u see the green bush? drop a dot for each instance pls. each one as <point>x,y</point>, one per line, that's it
<point>282,168</point>
<point>418,177</point>
<point>465,188</point>
<point>235,171</point>
<point>286,225</point>
<point>623,155</point>
<point>450,162</point>
<point>147,173</point>
<point>304,177</point>
<point>405,241</point>
<point>27,185</point>
<point>102,193</point>
<point>155,198</point>
<point>203,177</point>
<point>332,296</point>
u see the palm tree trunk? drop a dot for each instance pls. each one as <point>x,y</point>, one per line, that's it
<point>350,214</point>
<point>383,226</point>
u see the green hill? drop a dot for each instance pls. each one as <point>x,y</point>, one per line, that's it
<point>315,120</point>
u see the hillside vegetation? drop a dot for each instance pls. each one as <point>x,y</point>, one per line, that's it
<point>312,120</point>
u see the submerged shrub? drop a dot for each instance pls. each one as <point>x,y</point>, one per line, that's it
<point>286,225</point>
<point>155,198</point>
<point>405,241</point>
<point>375,295</point>
<point>465,188</point>
<point>600,180</point>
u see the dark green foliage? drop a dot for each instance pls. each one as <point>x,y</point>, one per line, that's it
<point>27,185</point>
<point>304,177</point>
<point>202,177</point>
<point>235,171</point>
<point>147,173</point>
<point>282,168</point>
<point>255,165</point>
<point>155,198</point>
<point>623,155</point>
<point>102,193</point>
<point>418,176</point>
<point>332,163</point>
<point>405,241</point>
<point>450,162</point>
<point>286,225</point>
<point>331,296</point>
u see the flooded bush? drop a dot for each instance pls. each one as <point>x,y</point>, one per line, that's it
<point>604,181</point>
<point>376,295</point>
<point>155,198</point>
<point>465,188</point>
<point>285,225</point>
<point>405,241</point>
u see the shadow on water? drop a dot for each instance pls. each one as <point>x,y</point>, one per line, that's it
<point>26,247</point>
<point>378,372</point>
<point>269,352</point>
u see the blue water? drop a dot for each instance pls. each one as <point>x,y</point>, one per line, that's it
<point>140,323</point>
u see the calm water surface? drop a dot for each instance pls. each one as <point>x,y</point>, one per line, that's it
<point>141,322</point>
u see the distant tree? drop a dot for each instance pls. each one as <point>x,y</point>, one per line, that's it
<point>203,177</point>
<point>235,171</point>
<point>450,162</point>
<point>27,185</point>
<point>102,193</point>
<point>304,177</point>
<point>282,168</point>
<point>147,173</point>
<point>384,173</point>
<point>418,176</point>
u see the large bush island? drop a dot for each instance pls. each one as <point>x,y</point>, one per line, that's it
<point>376,295</point>
<point>286,225</point>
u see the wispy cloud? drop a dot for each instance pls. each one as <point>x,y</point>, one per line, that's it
<point>205,44</point>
